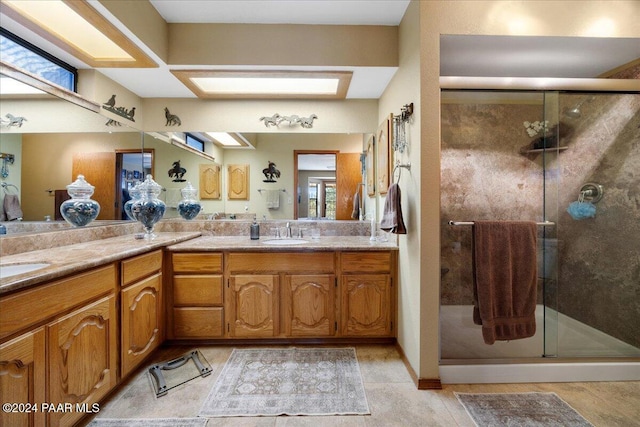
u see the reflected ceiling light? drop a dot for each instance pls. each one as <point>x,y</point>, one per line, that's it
<point>80,30</point>
<point>9,86</point>
<point>266,84</point>
<point>227,140</point>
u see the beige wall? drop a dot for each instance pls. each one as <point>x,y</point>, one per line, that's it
<point>543,18</point>
<point>404,88</point>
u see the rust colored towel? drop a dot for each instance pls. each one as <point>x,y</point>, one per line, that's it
<point>505,279</point>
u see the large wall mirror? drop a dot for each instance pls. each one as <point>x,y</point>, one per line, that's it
<point>57,140</point>
<point>232,181</point>
<point>62,137</point>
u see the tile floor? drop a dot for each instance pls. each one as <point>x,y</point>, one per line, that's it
<point>391,393</point>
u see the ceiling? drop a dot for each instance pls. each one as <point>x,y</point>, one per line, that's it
<point>493,56</point>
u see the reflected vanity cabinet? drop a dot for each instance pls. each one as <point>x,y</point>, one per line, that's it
<point>141,308</point>
<point>58,344</point>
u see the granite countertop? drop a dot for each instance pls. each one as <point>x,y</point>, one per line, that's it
<point>243,243</point>
<point>74,258</point>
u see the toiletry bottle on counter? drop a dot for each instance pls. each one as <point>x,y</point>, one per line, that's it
<point>255,230</point>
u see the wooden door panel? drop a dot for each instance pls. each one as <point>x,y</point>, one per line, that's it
<point>22,378</point>
<point>348,180</point>
<point>366,305</point>
<point>82,358</point>
<point>99,170</point>
<point>309,305</point>
<point>254,305</point>
<point>210,181</point>
<point>141,320</point>
<point>238,178</point>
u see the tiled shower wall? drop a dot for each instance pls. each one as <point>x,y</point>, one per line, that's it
<point>599,258</point>
<point>485,175</point>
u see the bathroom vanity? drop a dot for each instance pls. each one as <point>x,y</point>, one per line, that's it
<point>91,313</point>
<point>339,287</point>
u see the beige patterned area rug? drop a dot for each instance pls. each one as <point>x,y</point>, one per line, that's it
<point>291,381</point>
<point>520,409</point>
<point>151,422</point>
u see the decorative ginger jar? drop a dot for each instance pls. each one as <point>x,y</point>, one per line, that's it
<point>80,210</point>
<point>189,207</point>
<point>134,193</point>
<point>148,209</point>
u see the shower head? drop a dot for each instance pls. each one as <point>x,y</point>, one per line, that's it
<point>575,112</point>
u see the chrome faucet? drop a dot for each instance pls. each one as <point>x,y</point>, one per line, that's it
<point>288,230</point>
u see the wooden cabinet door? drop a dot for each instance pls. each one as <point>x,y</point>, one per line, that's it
<point>210,181</point>
<point>83,356</point>
<point>238,182</point>
<point>253,305</point>
<point>366,305</point>
<point>22,378</point>
<point>141,318</point>
<point>308,305</point>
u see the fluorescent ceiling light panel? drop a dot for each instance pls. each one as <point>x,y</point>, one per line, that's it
<point>80,30</point>
<point>266,84</point>
<point>262,86</point>
<point>224,139</point>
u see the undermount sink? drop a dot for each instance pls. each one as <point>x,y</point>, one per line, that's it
<point>15,269</point>
<point>283,242</point>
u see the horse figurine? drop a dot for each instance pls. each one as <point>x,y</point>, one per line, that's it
<point>271,172</point>
<point>293,120</point>
<point>177,172</point>
<point>172,119</point>
<point>307,122</point>
<point>14,121</point>
<point>272,121</point>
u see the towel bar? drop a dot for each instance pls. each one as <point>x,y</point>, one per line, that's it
<point>543,224</point>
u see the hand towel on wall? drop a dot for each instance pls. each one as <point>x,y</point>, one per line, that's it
<point>392,213</point>
<point>11,207</point>
<point>273,199</point>
<point>173,197</point>
<point>505,279</point>
<point>356,205</point>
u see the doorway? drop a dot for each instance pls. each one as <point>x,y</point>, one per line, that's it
<point>131,168</point>
<point>326,182</point>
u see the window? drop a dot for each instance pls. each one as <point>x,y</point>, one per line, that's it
<point>22,54</point>
<point>194,142</point>
<point>313,200</point>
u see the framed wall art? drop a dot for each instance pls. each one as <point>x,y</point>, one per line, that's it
<point>383,155</point>
<point>370,166</point>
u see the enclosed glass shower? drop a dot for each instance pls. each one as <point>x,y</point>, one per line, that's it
<point>571,162</point>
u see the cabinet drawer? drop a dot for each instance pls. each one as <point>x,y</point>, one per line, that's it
<point>30,307</point>
<point>197,262</point>
<point>366,262</point>
<point>136,268</point>
<point>197,290</point>
<point>290,262</point>
<point>196,322</point>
